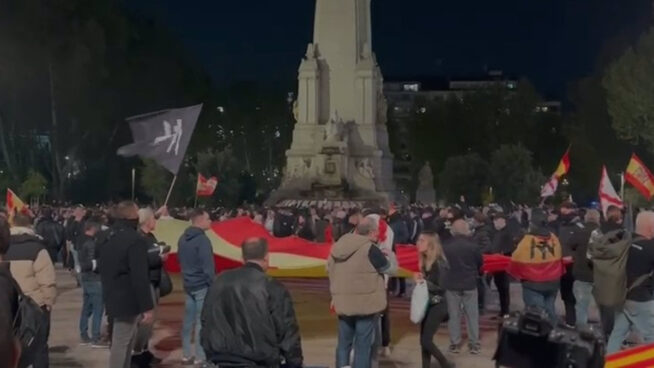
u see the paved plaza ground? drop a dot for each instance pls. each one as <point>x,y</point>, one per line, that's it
<point>317,325</point>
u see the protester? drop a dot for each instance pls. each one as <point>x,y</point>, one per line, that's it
<point>637,313</point>
<point>538,264</point>
<point>52,233</point>
<point>400,236</point>
<point>460,282</point>
<point>198,269</point>
<point>569,233</point>
<point>358,304</point>
<point>481,235</point>
<point>74,228</point>
<point>34,272</point>
<point>92,303</point>
<point>415,225</point>
<point>503,244</point>
<point>432,262</point>
<point>248,318</point>
<point>125,283</point>
<point>582,271</point>
<point>147,224</point>
<point>10,349</point>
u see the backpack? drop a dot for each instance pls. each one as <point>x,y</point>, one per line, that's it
<point>609,253</point>
<point>27,326</point>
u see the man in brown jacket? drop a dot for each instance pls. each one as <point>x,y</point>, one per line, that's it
<point>358,292</point>
<point>32,269</point>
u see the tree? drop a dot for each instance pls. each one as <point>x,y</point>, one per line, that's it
<point>155,180</point>
<point>629,85</point>
<point>34,185</point>
<point>513,176</point>
<point>464,175</point>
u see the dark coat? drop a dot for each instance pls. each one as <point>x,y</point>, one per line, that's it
<point>52,233</point>
<point>87,254</point>
<point>123,268</point>
<point>400,229</point>
<point>503,242</point>
<point>465,261</point>
<point>196,259</point>
<point>248,317</point>
<point>482,237</point>
<point>155,263</point>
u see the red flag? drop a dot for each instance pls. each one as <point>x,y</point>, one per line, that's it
<point>206,187</point>
<point>564,165</point>
<point>607,194</point>
<point>638,175</point>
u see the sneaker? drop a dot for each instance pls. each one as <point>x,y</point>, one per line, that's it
<point>385,351</point>
<point>475,350</point>
<point>454,349</point>
<point>85,341</point>
<point>100,344</point>
<point>188,361</point>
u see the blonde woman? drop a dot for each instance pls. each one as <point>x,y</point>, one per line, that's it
<point>432,262</point>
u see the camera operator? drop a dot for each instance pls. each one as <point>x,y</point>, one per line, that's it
<point>156,256</point>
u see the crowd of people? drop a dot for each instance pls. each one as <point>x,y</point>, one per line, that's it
<point>244,318</point>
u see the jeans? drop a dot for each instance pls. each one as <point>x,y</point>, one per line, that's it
<point>638,316</point>
<point>41,355</point>
<point>358,331</point>
<point>467,299</point>
<point>542,299</point>
<point>92,307</point>
<point>122,342</point>
<point>583,294</point>
<point>192,313</point>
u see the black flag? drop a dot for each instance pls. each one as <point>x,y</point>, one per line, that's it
<point>163,135</point>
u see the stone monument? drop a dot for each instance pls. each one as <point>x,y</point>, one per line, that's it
<point>426,193</point>
<point>340,145</point>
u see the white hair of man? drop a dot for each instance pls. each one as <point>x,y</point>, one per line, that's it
<point>645,224</point>
<point>366,226</point>
<point>145,215</point>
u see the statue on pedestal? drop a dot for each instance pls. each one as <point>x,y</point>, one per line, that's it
<point>426,193</point>
<point>334,129</point>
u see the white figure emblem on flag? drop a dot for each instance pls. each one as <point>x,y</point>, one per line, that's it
<point>172,133</point>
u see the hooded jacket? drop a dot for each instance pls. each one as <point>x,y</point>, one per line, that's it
<point>196,259</point>
<point>31,266</point>
<point>355,271</point>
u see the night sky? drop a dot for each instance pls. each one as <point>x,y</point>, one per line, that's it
<point>551,42</point>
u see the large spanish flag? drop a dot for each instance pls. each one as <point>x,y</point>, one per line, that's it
<point>639,357</point>
<point>638,175</point>
<point>564,165</point>
<point>289,257</point>
<point>537,259</point>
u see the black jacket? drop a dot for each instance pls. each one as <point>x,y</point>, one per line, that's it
<point>581,269</point>
<point>570,235</point>
<point>155,263</point>
<point>8,292</point>
<point>73,230</point>
<point>86,247</point>
<point>465,261</point>
<point>503,242</point>
<point>482,237</point>
<point>52,233</point>
<point>248,317</point>
<point>124,272</point>
<point>400,229</point>
<point>433,277</point>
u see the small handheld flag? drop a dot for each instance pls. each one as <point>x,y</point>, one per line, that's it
<point>638,175</point>
<point>206,187</point>
<point>607,194</point>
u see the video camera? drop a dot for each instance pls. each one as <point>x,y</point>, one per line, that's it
<point>530,340</point>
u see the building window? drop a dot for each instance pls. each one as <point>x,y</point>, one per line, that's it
<point>411,87</point>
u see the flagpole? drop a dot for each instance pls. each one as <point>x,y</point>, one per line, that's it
<point>170,190</point>
<point>622,185</point>
<point>133,182</point>
<point>195,203</point>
